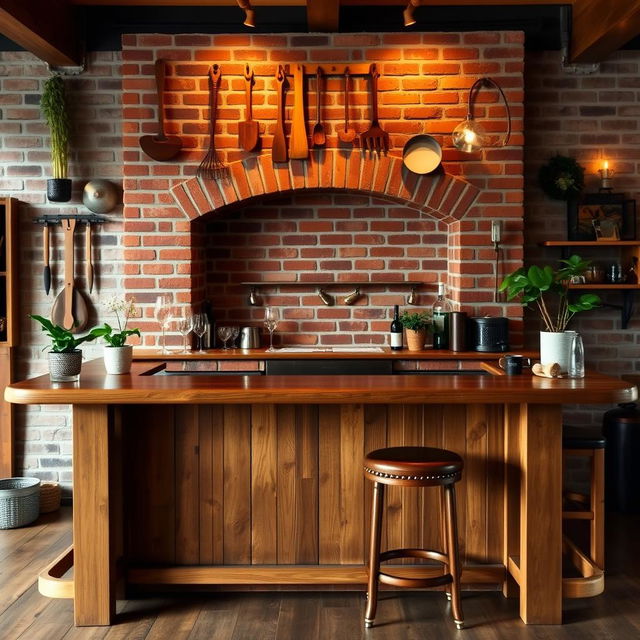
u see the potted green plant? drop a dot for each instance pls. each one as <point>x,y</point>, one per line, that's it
<point>415,325</point>
<point>54,107</point>
<point>562,178</point>
<point>549,290</point>
<point>65,359</point>
<point>117,354</point>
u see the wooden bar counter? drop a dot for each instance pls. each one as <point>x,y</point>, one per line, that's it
<point>257,480</point>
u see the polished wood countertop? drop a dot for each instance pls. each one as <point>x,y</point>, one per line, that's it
<point>141,386</point>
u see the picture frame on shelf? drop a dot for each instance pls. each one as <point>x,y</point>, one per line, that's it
<point>601,216</point>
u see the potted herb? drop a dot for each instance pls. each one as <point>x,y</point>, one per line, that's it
<point>65,359</point>
<point>117,354</point>
<point>54,108</point>
<point>562,178</point>
<point>416,325</point>
<point>549,289</point>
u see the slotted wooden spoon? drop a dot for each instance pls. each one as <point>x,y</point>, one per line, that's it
<point>318,136</point>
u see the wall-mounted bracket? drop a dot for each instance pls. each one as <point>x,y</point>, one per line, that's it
<point>89,219</point>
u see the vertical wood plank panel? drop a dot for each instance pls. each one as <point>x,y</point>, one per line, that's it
<point>187,516</point>
<point>217,482</point>
<point>286,452</point>
<point>412,498</point>
<point>205,484</point>
<point>495,483</point>
<point>237,484</point>
<point>264,466</point>
<point>329,491</point>
<point>511,500</point>
<point>476,469</point>
<point>393,495</point>
<point>307,484</point>
<point>430,512</point>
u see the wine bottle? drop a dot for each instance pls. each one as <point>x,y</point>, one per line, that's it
<point>439,314</point>
<point>396,331</point>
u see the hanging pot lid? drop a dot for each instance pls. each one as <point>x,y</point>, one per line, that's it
<point>422,154</point>
<point>100,196</point>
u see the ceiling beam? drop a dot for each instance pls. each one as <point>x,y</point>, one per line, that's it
<point>323,15</point>
<point>601,27</point>
<point>44,27</point>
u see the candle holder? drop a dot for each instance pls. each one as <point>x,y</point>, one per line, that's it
<point>605,177</point>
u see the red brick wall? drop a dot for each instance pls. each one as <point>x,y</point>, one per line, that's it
<point>591,118</point>
<point>423,88</point>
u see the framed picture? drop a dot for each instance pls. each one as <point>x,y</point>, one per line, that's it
<point>602,216</point>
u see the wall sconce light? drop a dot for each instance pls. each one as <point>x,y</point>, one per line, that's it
<point>496,237</point>
<point>407,14</point>
<point>469,136</point>
<point>249,13</point>
<point>326,298</point>
<point>605,176</point>
<point>254,300</point>
<point>413,296</point>
<point>353,296</point>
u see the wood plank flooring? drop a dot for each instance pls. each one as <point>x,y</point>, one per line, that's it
<point>26,615</point>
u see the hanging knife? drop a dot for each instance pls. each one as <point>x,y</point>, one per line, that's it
<point>87,251</point>
<point>45,250</point>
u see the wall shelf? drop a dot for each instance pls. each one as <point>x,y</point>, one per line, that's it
<point>333,283</point>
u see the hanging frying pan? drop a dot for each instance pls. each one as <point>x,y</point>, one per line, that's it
<point>422,154</point>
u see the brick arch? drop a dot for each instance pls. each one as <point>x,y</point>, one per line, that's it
<point>442,196</point>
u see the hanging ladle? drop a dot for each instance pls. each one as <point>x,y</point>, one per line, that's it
<point>318,137</point>
<point>349,133</point>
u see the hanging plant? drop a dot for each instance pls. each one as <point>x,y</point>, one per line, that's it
<point>562,178</point>
<point>54,108</point>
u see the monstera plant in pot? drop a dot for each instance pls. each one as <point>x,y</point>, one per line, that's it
<point>117,354</point>
<point>54,107</point>
<point>549,290</point>
<point>65,359</point>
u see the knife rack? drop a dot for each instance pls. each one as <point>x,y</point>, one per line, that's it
<point>80,219</point>
<point>359,69</point>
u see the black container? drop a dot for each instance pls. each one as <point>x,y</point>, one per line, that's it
<point>489,334</point>
<point>621,428</point>
<point>458,331</point>
<point>59,189</point>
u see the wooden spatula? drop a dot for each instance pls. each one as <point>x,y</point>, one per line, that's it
<point>298,144</point>
<point>279,149</point>
<point>248,131</point>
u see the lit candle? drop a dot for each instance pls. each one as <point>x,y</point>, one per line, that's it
<point>605,170</point>
<point>605,175</point>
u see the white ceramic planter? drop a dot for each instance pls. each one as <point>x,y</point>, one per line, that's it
<point>117,360</point>
<point>555,347</point>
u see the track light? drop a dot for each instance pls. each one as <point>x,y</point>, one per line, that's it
<point>249,13</point>
<point>469,136</point>
<point>407,14</point>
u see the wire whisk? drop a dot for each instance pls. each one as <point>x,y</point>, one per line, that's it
<point>212,167</point>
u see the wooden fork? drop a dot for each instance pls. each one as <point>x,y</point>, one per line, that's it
<point>375,138</point>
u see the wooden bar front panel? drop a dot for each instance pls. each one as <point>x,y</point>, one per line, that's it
<point>283,484</point>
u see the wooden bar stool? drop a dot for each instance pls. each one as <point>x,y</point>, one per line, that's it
<point>414,467</point>
<point>580,442</point>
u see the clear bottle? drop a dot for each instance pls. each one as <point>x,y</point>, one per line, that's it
<point>440,314</point>
<point>396,331</point>
<point>576,357</point>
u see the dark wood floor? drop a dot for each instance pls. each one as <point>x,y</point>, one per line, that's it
<point>27,615</point>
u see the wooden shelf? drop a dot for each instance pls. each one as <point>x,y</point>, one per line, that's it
<point>604,286</point>
<point>590,243</point>
<point>332,283</point>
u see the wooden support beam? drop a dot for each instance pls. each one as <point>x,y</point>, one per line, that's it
<point>601,27</point>
<point>323,15</point>
<point>44,27</point>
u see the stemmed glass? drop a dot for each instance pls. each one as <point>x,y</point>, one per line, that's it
<point>199,328</point>
<point>162,312</point>
<point>185,326</point>
<point>235,332</point>
<point>271,319</point>
<point>225,333</point>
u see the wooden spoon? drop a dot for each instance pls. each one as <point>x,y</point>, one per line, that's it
<point>349,133</point>
<point>248,131</point>
<point>160,147</point>
<point>318,137</point>
<point>279,148</point>
<point>298,144</point>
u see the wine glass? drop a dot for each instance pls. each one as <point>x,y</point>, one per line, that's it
<point>235,332</point>
<point>185,326</point>
<point>271,319</point>
<point>162,311</point>
<point>224,333</point>
<point>199,327</point>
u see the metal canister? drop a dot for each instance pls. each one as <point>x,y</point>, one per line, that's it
<point>249,337</point>
<point>458,331</point>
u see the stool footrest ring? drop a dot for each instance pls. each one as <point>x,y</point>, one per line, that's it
<point>426,554</point>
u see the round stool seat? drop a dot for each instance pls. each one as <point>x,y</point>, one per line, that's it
<point>413,466</point>
<point>582,438</point>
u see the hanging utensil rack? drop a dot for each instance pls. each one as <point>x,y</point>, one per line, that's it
<point>79,218</point>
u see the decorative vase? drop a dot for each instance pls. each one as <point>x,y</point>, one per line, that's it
<point>59,189</point>
<point>65,366</point>
<point>416,339</point>
<point>117,360</point>
<point>555,347</point>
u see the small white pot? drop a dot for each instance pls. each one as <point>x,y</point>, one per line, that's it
<point>555,347</point>
<point>117,360</point>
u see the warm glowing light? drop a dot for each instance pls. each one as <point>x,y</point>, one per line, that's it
<point>606,164</point>
<point>469,136</point>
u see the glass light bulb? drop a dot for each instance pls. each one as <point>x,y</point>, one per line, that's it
<point>469,136</point>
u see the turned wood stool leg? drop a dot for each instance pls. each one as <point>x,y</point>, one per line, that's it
<point>443,527</point>
<point>452,550</point>
<point>374,553</point>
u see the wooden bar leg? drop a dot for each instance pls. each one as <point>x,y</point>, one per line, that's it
<point>454,559</point>
<point>443,522</point>
<point>511,495</point>
<point>541,514</point>
<point>597,507</point>
<point>374,553</point>
<point>94,570</point>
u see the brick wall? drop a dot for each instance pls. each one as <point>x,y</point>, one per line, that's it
<point>43,433</point>
<point>423,88</point>
<point>591,118</point>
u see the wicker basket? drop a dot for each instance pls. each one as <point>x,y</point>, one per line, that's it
<point>19,501</point>
<point>50,494</point>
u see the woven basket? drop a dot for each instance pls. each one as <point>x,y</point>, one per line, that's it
<point>50,494</point>
<point>19,501</point>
